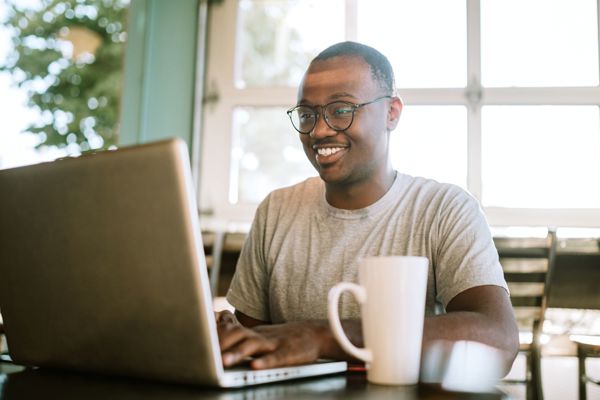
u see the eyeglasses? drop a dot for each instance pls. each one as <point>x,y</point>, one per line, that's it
<point>338,115</point>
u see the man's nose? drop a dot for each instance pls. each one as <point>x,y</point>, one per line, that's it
<point>321,128</point>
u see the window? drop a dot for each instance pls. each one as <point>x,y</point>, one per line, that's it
<point>541,156</point>
<point>418,37</point>
<point>501,98</point>
<point>550,43</point>
<point>259,149</point>
<point>431,141</point>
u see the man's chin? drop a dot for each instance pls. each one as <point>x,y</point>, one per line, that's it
<point>331,176</point>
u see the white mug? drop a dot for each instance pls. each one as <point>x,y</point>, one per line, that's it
<point>392,294</point>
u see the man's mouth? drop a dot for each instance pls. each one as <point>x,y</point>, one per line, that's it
<point>328,151</point>
<point>328,155</point>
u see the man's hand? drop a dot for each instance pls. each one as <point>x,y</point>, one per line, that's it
<point>272,345</point>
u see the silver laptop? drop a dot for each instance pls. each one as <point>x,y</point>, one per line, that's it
<point>102,269</point>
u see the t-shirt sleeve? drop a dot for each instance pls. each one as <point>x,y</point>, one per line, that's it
<point>466,256</point>
<point>248,291</point>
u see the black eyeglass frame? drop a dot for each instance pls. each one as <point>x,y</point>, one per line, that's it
<point>317,113</point>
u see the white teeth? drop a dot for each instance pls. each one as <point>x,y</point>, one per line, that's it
<point>328,151</point>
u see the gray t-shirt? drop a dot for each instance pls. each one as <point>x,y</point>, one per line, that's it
<point>300,246</point>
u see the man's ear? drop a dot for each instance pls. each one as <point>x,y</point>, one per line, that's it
<point>394,113</point>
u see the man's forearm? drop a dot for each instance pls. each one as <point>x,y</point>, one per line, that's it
<point>455,326</point>
<point>466,325</point>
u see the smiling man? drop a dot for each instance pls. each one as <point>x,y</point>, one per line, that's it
<point>310,236</point>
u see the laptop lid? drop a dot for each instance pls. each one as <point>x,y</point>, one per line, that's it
<point>102,270</point>
<point>101,266</point>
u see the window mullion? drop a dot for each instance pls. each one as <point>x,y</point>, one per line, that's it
<point>434,96</point>
<point>473,41</point>
<point>217,122</point>
<point>351,20</point>
<point>473,93</point>
<point>598,33</point>
<point>474,150</point>
<point>542,96</point>
<point>202,41</point>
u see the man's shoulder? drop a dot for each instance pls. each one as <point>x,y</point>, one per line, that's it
<point>307,191</point>
<point>420,186</point>
<point>309,184</point>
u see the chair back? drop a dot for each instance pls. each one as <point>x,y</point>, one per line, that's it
<point>529,265</point>
<point>576,281</point>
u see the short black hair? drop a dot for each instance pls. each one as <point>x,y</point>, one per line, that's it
<point>381,69</point>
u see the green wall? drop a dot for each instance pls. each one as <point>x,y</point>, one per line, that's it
<point>159,72</point>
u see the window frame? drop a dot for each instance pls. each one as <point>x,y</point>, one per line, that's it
<point>221,97</point>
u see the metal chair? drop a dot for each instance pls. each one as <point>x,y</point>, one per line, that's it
<point>232,247</point>
<point>222,251</point>
<point>575,286</point>
<point>3,348</point>
<point>585,351</point>
<point>528,265</point>
<point>213,248</point>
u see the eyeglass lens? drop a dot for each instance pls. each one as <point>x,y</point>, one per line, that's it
<point>338,116</point>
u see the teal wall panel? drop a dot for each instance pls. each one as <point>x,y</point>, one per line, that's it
<point>159,72</point>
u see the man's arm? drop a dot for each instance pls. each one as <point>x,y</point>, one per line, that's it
<point>483,314</point>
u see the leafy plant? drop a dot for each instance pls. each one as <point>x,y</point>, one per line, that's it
<point>68,55</point>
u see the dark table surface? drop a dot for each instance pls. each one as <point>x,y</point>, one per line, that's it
<point>17,383</point>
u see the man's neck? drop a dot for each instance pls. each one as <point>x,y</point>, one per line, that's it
<point>360,194</point>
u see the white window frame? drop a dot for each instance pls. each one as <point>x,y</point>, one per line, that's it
<point>216,140</point>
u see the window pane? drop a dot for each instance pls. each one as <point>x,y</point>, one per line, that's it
<point>266,154</point>
<point>278,38</point>
<point>431,141</point>
<point>541,156</point>
<point>425,40</point>
<point>539,43</point>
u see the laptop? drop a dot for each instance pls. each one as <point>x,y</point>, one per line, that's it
<point>102,270</point>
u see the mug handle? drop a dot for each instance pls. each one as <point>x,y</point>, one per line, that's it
<point>334,318</point>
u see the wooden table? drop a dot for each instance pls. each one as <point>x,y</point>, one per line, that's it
<point>27,384</point>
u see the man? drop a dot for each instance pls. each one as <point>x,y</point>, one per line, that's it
<point>310,236</point>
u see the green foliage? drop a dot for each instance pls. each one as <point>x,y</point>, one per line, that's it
<point>78,97</point>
